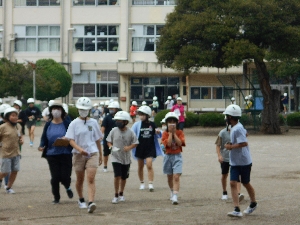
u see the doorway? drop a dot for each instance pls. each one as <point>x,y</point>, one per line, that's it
<point>160,94</point>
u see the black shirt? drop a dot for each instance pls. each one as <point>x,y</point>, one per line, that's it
<point>146,146</point>
<point>34,111</point>
<point>108,123</point>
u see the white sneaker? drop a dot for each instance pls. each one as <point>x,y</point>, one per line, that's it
<point>151,188</point>
<point>92,208</point>
<point>115,200</point>
<point>174,200</point>
<point>10,191</point>
<point>104,170</point>
<point>235,214</point>
<point>241,197</point>
<point>121,199</point>
<point>171,195</point>
<point>249,210</point>
<point>31,144</point>
<point>224,197</point>
<point>142,186</point>
<point>5,187</point>
<point>82,205</point>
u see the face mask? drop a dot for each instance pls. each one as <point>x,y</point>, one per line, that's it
<point>171,125</point>
<point>142,118</point>
<point>164,128</point>
<point>120,125</point>
<point>111,111</point>
<point>56,113</point>
<point>83,113</point>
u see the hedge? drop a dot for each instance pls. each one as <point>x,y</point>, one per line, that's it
<point>73,112</point>
<point>293,119</point>
<point>190,120</point>
<point>211,120</point>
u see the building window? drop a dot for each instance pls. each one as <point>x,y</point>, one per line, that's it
<point>86,90</point>
<point>1,4</point>
<point>96,38</point>
<point>209,92</point>
<point>37,2</point>
<point>154,2</point>
<point>145,36</point>
<point>95,2</point>
<point>37,39</point>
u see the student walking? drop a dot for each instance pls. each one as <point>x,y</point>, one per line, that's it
<point>133,110</point>
<point>22,118</point>
<point>59,157</point>
<point>178,109</point>
<point>85,137</point>
<point>240,160</point>
<point>148,147</point>
<point>121,140</point>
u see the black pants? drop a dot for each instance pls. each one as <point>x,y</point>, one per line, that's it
<point>61,169</point>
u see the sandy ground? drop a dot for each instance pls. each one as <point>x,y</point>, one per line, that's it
<point>275,177</point>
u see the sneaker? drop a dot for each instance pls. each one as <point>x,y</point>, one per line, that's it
<point>249,210</point>
<point>70,193</point>
<point>31,144</point>
<point>82,205</point>
<point>174,200</point>
<point>55,202</point>
<point>235,214</point>
<point>241,197</point>
<point>121,199</point>
<point>115,200</point>
<point>224,197</point>
<point>142,186</point>
<point>10,191</point>
<point>92,207</point>
<point>171,195</point>
<point>104,170</point>
<point>151,188</point>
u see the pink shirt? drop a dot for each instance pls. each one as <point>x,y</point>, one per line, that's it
<point>181,110</point>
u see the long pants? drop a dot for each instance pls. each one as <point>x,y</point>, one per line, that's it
<point>60,168</point>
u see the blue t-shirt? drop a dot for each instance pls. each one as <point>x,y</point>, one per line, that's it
<point>55,131</point>
<point>239,156</point>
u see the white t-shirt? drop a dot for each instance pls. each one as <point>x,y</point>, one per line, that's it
<point>169,104</point>
<point>46,112</point>
<point>85,135</point>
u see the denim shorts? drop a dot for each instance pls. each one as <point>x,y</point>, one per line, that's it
<point>242,172</point>
<point>10,164</point>
<point>172,164</point>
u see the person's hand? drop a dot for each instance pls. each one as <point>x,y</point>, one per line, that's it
<point>126,148</point>
<point>84,153</point>
<point>41,148</point>
<point>220,158</point>
<point>228,146</point>
<point>157,131</point>
<point>21,141</point>
<point>172,128</point>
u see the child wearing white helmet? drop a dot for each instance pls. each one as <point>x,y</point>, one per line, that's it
<point>33,114</point>
<point>155,106</point>
<point>285,102</point>
<point>120,141</point>
<point>169,103</point>
<point>144,103</point>
<point>85,137</point>
<point>148,148</point>
<point>45,112</point>
<point>95,112</point>
<point>22,116</point>
<point>133,110</point>
<point>233,100</point>
<point>240,160</point>
<point>11,139</point>
<point>173,139</point>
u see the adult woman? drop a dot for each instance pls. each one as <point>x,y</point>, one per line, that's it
<point>178,109</point>
<point>148,147</point>
<point>85,136</point>
<point>59,157</point>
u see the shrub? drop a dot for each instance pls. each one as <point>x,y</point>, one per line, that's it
<point>159,116</point>
<point>191,119</point>
<point>281,119</point>
<point>293,119</point>
<point>73,112</point>
<point>246,119</point>
<point>211,120</point>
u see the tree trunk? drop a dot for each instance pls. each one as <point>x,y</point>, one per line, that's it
<point>271,102</point>
<point>296,94</point>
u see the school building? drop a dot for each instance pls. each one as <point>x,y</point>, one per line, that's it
<point>108,46</point>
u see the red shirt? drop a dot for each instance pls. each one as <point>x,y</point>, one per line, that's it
<point>133,109</point>
<point>174,148</point>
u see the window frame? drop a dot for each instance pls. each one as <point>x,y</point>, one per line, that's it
<point>96,3</point>
<point>210,91</point>
<point>37,4</point>
<point>155,2</point>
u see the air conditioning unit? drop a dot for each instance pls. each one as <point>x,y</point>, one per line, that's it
<point>76,68</point>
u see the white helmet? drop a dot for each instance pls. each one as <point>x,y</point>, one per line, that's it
<point>3,107</point>
<point>163,120</point>
<point>18,102</point>
<point>111,100</point>
<point>66,108</point>
<point>171,115</point>
<point>50,103</point>
<point>179,99</point>
<point>113,105</point>
<point>95,105</point>
<point>134,103</point>
<point>122,115</point>
<point>145,109</point>
<point>285,94</point>
<point>246,97</point>
<point>144,103</point>
<point>154,98</point>
<point>1,101</point>
<point>84,103</point>
<point>106,103</point>
<point>233,99</point>
<point>30,100</point>
<point>101,103</point>
<point>169,97</point>
<point>250,96</point>
<point>9,110</point>
<point>233,110</point>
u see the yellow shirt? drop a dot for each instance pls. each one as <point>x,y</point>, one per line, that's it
<point>248,105</point>
<point>9,136</point>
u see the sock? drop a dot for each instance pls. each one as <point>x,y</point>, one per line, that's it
<point>142,182</point>
<point>121,193</point>
<point>68,189</point>
<point>150,182</point>
<point>105,167</point>
<point>81,200</point>
<point>253,204</point>
<point>90,203</point>
<point>7,188</point>
<point>237,209</point>
<point>116,195</point>
<point>224,192</point>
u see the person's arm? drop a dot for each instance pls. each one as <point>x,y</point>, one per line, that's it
<point>78,148</point>
<point>128,148</point>
<point>98,142</point>
<point>102,129</point>
<point>230,146</point>
<point>218,150</point>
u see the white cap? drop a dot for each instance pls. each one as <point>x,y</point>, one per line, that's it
<point>250,96</point>
<point>171,115</point>
<point>3,107</point>
<point>18,102</point>
<point>179,99</point>
<point>285,94</point>
<point>106,103</point>
<point>233,98</point>
<point>246,97</point>
<point>101,103</point>
<point>95,104</point>
<point>9,110</point>
<point>169,97</point>
<point>122,115</point>
<point>84,103</point>
<point>134,103</point>
<point>145,109</point>
<point>30,100</point>
<point>163,120</point>
<point>233,110</point>
<point>113,105</point>
<point>154,98</point>
<point>50,103</point>
<point>144,103</point>
<point>111,100</point>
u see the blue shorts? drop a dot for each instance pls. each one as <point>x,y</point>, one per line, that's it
<point>243,172</point>
<point>10,164</point>
<point>172,164</point>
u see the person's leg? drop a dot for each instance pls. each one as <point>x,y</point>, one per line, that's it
<point>141,170</point>
<point>224,182</point>
<point>106,153</point>
<point>12,178</point>
<point>91,173</point>
<point>176,183</point>
<point>79,183</point>
<point>250,191</point>
<point>170,181</point>
<point>117,184</point>
<point>55,170</point>
<point>29,128</point>
<point>234,193</point>
<point>150,170</point>
<point>66,171</point>
<point>32,133</point>
<point>6,178</point>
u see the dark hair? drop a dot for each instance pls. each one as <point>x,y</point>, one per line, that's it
<point>63,112</point>
<point>147,116</point>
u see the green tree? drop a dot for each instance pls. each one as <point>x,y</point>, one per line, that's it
<point>15,78</point>
<point>223,33</point>
<point>52,80</point>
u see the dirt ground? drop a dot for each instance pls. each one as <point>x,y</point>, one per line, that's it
<point>275,177</point>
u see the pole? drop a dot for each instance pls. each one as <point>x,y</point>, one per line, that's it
<point>34,84</point>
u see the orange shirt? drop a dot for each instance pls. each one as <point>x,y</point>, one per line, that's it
<point>174,149</point>
<point>133,109</point>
